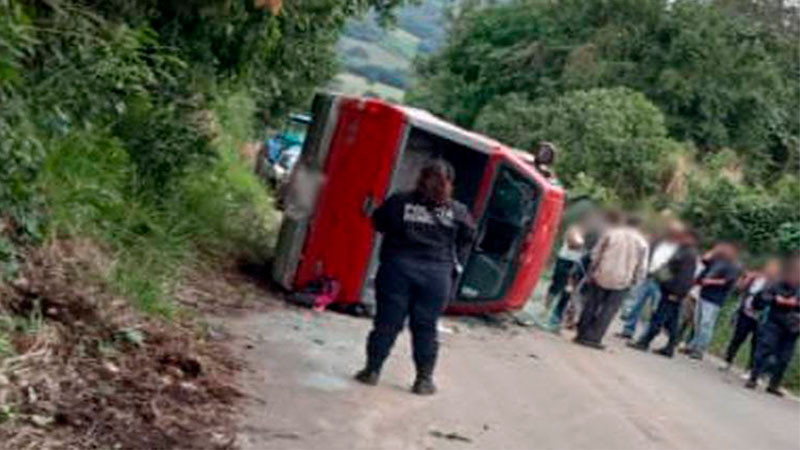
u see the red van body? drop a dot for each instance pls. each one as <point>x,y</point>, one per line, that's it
<point>358,151</point>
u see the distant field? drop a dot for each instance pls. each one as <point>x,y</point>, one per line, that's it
<point>402,42</point>
<point>375,54</point>
<point>348,83</point>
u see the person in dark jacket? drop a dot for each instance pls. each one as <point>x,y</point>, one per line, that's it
<point>716,282</point>
<point>424,231</point>
<point>748,318</point>
<point>674,279</point>
<point>781,330</point>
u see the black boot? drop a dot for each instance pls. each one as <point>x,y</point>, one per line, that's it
<point>423,384</point>
<point>775,390</point>
<point>368,376</point>
<point>638,345</point>
<point>665,351</point>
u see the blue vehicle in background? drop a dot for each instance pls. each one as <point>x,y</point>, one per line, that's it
<point>279,153</point>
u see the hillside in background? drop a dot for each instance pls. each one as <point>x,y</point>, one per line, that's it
<point>377,61</point>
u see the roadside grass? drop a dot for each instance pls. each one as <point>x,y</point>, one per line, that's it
<point>216,210</point>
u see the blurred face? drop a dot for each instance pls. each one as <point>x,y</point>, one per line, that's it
<point>675,229</point>
<point>728,251</point>
<point>772,269</point>
<point>792,272</point>
<point>686,238</point>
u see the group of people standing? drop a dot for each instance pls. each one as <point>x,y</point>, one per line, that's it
<point>608,260</point>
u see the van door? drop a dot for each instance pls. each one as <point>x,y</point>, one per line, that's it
<point>502,229</point>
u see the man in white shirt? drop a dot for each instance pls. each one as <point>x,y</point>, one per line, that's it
<point>661,252</point>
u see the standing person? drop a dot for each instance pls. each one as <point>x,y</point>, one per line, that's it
<point>674,280</point>
<point>747,317</point>
<point>716,283</point>
<point>618,261</point>
<point>781,330</point>
<point>569,255</point>
<point>574,282</point>
<point>661,252</point>
<point>422,230</point>
<point>594,225</point>
<point>686,327</point>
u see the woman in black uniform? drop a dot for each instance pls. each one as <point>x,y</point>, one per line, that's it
<point>423,232</point>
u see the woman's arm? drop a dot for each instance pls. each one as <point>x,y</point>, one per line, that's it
<point>382,216</point>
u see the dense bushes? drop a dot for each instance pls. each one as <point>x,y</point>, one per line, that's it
<point>218,208</point>
<point>122,121</point>
<point>646,99</point>
<point>614,136</point>
<point>767,220</point>
<point>721,79</point>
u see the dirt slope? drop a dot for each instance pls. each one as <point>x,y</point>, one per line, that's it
<point>509,389</point>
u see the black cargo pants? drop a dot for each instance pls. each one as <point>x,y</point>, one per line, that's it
<point>413,289</point>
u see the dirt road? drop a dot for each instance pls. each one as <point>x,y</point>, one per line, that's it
<point>517,388</point>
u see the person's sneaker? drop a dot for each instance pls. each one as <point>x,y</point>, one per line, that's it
<point>664,352</point>
<point>776,391</point>
<point>637,346</point>
<point>368,377</point>
<point>423,385</point>
<point>751,384</point>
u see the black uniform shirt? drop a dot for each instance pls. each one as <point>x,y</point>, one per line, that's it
<point>411,228</point>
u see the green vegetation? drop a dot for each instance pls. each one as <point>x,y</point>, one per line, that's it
<point>123,121</point>
<point>720,78</point>
<point>623,140</point>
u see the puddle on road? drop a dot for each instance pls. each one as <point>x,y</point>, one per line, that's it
<point>325,382</point>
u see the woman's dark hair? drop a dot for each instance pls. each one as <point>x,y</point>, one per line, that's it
<point>435,182</point>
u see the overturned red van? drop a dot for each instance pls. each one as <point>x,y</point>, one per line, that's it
<point>358,151</point>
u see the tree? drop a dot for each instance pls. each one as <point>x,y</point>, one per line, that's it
<point>614,136</point>
<point>721,79</point>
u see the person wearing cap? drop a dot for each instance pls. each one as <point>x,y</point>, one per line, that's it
<point>424,231</point>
